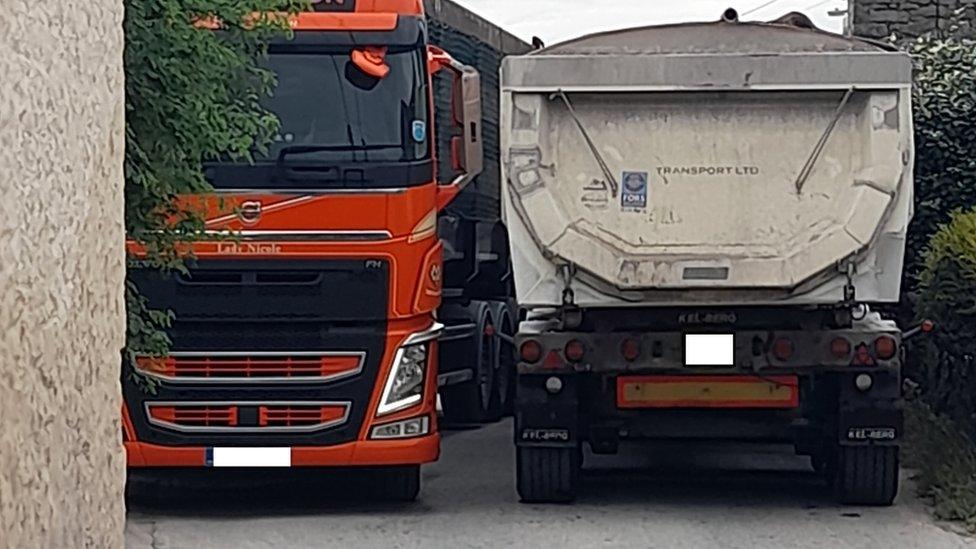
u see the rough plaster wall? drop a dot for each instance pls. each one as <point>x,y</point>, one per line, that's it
<point>907,18</point>
<point>61,274</point>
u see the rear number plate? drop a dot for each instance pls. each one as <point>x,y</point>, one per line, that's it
<point>871,433</point>
<point>545,435</point>
<point>709,349</point>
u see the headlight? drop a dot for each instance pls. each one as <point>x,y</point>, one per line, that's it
<point>405,384</point>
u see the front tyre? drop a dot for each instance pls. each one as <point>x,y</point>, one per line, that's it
<point>866,475</point>
<point>547,475</point>
<point>400,484</point>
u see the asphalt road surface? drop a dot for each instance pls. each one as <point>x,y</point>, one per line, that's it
<point>665,496</point>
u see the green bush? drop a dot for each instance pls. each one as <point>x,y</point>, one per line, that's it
<point>945,462</point>
<point>945,134</point>
<point>943,362</point>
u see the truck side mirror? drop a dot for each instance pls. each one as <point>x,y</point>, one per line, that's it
<point>457,153</point>
<point>467,150</point>
<point>467,118</point>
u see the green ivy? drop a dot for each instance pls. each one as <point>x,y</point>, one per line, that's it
<point>945,134</point>
<point>192,94</point>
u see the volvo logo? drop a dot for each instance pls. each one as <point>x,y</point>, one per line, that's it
<point>250,212</point>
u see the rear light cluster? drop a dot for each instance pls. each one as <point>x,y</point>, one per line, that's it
<point>783,348</point>
<point>575,350</point>
<point>531,352</point>
<point>883,348</point>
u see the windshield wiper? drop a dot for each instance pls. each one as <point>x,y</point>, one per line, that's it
<point>293,150</point>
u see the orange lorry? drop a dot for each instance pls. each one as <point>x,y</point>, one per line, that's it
<point>311,338</point>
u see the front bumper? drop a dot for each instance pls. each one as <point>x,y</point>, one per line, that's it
<point>412,451</point>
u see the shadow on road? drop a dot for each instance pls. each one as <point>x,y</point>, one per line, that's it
<point>477,474</point>
<point>704,474</point>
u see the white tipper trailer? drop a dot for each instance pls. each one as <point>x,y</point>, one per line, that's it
<point>701,217</point>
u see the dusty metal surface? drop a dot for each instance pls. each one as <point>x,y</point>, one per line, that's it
<point>733,175</point>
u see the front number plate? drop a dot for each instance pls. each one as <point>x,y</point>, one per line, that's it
<point>249,457</point>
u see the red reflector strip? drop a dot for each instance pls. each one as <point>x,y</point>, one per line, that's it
<point>328,366</point>
<point>708,392</point>
<point>189,416</point>
<point>294,416</point>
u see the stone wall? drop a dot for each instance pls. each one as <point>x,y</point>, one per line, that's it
<point>907,18</point>
<point>61,274</point>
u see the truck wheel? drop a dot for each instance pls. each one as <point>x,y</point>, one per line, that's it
<point>505,358</point>
<point>866,475</point>
<point>396,483</point>
<point>477,400</point>
<point>547,475</point>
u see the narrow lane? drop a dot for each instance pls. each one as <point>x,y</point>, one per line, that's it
<point>679,496</point>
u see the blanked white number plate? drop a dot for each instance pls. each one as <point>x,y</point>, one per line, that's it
<point>709,350</point>
<point>249,457</point>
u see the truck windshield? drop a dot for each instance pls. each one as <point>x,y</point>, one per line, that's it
<point>340,128</point>
<point>332,111</point>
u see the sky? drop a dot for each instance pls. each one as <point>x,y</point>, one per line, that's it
<point>558,20</point>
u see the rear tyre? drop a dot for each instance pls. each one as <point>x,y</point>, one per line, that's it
<point>547,475</point>
<point>505,353</point>
<point>477,400</point>
<point>866,475</point>
<point>396,483</point>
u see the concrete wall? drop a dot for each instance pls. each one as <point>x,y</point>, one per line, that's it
<point>907,18</point>
<point>61,274</point>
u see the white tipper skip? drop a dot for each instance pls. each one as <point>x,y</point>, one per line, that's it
<point>771,166</point>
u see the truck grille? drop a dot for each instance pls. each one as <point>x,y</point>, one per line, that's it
<point>247,417</point>
<point>194,416</point>
<point>278,335</point>
<point>255,367</point>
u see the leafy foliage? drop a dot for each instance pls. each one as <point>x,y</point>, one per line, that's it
<point>945,460</point>
<point>191,95</point>
<point>945,133</point>
<point>944,361</point>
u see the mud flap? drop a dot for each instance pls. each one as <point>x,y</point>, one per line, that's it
<point>872,417</point>
<point>544,419</point>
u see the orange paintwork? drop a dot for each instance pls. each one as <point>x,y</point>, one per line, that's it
<point>403,7</point>
<point>370,15</point>
<point>361,453</point>
<point>344,21</point>
<point>415,270</point>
